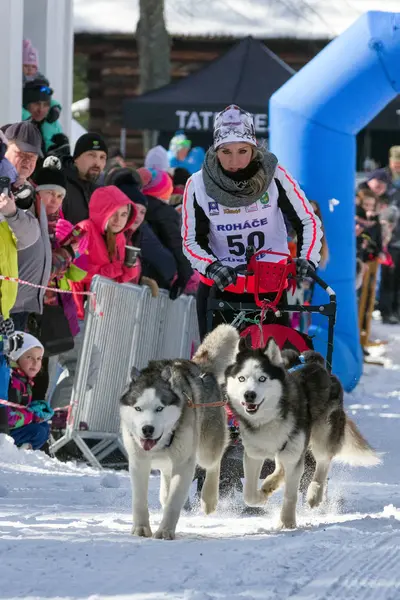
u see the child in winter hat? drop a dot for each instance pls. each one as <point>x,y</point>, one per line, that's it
<point>157,158</point>
<point>30,61</point>
<point>156,183</point>
<point>27,419</point>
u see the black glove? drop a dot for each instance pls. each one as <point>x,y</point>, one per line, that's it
<point>176,289</point>
<point>303,267</point>
<point>222,275</point>
<point>6,326</point>
<point>13,342</point>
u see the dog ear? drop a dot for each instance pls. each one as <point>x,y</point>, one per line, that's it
<point>273,352</point>
<point>245,343</point>
<point>134,374</point>
<point>166,373</point>
<point>289,358</point>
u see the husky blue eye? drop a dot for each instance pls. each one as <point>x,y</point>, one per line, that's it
<point>138,408</point>
<point>159,409</point>
<point>262,379</point>
<point>241,378</point>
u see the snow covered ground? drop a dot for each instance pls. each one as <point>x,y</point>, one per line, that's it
<point>65,529</point>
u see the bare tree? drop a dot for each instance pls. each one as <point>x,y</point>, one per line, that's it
<point>154,53</point>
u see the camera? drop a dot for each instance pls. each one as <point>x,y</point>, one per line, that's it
<point>24,196</point>
<point>5,185</point>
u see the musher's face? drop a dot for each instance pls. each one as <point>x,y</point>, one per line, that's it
<point>235,156</point>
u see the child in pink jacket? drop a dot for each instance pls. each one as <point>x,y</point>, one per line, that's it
<point>110,214</point>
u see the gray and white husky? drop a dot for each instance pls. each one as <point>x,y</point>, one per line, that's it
<point>283,412</point>
<point>161,430</point>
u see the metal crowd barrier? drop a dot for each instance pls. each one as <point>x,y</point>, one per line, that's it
<point>133,329</point>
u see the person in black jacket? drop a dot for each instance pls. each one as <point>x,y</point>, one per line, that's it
<point>165,222</point>
<point>89,160</point>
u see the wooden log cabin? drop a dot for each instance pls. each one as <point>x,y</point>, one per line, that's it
<point>113,73</point>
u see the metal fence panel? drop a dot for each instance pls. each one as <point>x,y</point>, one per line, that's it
<point>113,333</point>
<point>134,329</point>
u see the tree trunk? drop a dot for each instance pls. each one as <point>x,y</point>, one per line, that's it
<point>154,54</point>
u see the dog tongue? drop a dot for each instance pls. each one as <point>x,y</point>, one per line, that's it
<point>251,407</point>
<point>148,444</point>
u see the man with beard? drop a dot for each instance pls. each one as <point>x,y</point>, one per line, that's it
<point>89,160</point>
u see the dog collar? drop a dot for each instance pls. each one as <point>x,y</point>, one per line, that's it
<point>171,439</point>
<point>300,366</point>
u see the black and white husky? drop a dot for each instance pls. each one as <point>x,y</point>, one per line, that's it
<point>283,412</point>
<point>162,431</point>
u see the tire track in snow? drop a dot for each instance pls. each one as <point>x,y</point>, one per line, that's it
<point>366,571</point>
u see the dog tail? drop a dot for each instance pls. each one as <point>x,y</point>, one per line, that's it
<point>355,450</point>
<point>218,350</point>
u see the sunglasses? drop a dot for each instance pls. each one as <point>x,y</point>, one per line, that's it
<point>46,90</point>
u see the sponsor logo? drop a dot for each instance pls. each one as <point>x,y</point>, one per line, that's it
<point>252,208</point>
<point>242,226</point>
<point>213,208</point>
<point>264,200</point>
<point>231,211</point>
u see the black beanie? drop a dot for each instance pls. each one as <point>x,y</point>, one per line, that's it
<point>51,177</point>
<point>37,90</point>
<point>125,180</point>
<point>89,142</point>
<point>59,145</point>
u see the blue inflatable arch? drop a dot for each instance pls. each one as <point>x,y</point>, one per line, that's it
<point>314,119</point>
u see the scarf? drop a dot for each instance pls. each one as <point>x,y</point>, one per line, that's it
<point>231,193</point>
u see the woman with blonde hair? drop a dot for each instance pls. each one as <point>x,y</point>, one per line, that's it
<point>242,197</point>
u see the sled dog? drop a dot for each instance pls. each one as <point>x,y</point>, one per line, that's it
<point>161,429</point>
<point>282,412</point>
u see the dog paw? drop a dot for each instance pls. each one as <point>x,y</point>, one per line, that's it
<point>141,531</point>
<point>287,523</point>
<point>270,485</point>
<point>257,498</point>
<point>164,534</point>
<point>315,494</point>
<point>208,505</point>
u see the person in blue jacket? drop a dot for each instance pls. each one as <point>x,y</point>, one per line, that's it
<point>181,155</point>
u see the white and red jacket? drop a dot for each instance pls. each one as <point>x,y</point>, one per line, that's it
<point>211,231</point>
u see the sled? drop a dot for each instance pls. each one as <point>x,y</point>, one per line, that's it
<point>267,281</point>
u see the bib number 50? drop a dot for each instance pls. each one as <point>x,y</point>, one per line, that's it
<point>238,247</point>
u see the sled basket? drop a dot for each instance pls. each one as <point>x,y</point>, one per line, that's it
<point>271,277</point>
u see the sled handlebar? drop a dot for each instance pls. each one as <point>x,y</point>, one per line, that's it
<point>331,293</point>
<point>243,269</point>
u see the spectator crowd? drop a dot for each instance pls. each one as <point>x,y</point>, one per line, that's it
<point>377,227</point>
<point>68,215</point>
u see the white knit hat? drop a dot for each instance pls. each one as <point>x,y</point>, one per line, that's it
<point>29,342</point>
<point>157,158</point>
<point>234,125</point>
